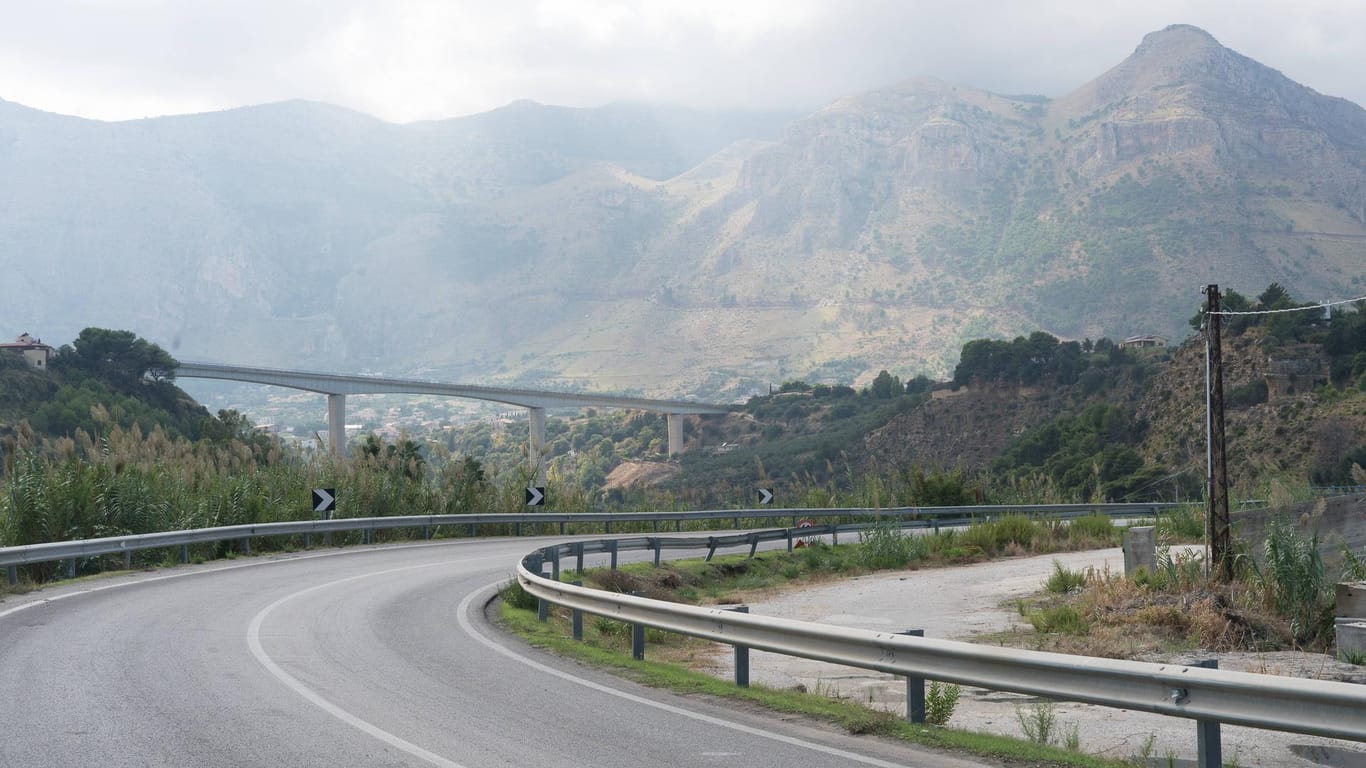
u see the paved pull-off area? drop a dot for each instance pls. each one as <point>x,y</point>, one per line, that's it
<point>964,602</point>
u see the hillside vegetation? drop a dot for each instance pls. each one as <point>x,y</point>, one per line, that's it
<point>103,442</point>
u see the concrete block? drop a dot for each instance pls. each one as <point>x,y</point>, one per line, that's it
<point>1351,637</point>
<point>1140,549</point>
<point>1352,599</point>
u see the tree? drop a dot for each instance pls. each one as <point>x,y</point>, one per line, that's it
<point>885,386</point>
<point>120,358</point>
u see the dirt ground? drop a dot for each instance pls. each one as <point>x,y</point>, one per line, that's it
<point>975,600</point>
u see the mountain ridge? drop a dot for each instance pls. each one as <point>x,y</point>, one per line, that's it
<point>671,251</point>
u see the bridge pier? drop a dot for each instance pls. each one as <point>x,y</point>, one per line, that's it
<point>675,422</point>
<point>536,426</point>
<point>336,425</point>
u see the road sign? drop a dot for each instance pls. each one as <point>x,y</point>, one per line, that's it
<point>324,499</point>
<point>806,522</point>
<point>765,496</point>
<point>535,496</point>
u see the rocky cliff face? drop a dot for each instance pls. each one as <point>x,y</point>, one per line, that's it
<point>620,248</point>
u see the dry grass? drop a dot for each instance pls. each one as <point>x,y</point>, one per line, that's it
<point>1125,618</point>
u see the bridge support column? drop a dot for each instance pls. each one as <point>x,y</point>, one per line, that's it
<point>675,421</point>
<point>336,425</point>
<point>537,448</point>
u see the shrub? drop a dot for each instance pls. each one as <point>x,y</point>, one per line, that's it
<point>1063,580</point>
<point>940,701</point>
<point>1038,721</point>
<point>1182,524</point>
<point>1063,619</point>
<point>885,546</point>
<point>1097,527</point>
<point>1295,582</point>
<point>516,596</point>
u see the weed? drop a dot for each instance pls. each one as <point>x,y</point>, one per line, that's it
<point>1063,581</point>
<point>1038,721</point>
<point>1093,527</point>
<point>1145,750</point>
<point>1354,657</point>
<point>1072,741</point>
<point>1062,619</point>
<point>941,699</point>
<point>611,627</point>
<point>1295,582</point>
<point>885,547</point>
<point>1183,524</point>
<point>516,596</point>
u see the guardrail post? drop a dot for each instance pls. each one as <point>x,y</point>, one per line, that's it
<point>835,534</point>
<point>915,689</point>
<point>658,548</point>
<point>12,573</point>
<point>127,559</point>
<point>606,526</point>
<point>788,533</point>
<point>426,533</point>
<point>578,550</point>
<point>184,553</point>
<point>678,525</point>
<point>308,541</point>
<point>246,545</point>
<point>741,655</point>
<point>517,529</point>
<point>753,544</point>
<point>637,639</point>
<point>367,533</point>
<point>542,605</point>
<point>656,524</point>
<point>613,551</point>
<point>711,547</point>
<point>735,525</point>
<point>1207,745</point>
<point>576,618</point>
<point>71,568</point>
<point>554,562</point>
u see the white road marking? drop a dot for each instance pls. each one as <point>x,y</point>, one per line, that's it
<point>483,595</point>
<point>312,697</point>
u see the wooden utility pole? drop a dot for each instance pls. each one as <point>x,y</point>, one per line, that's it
<point>1218,525</point>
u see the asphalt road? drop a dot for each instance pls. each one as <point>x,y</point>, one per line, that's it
<point>360,657</point>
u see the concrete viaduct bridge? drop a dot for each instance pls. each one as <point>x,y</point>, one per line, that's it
<point>338,386</point>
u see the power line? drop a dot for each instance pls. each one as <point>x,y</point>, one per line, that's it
<point>1305,308</point>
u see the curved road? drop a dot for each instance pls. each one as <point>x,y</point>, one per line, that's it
<point>360,657</point>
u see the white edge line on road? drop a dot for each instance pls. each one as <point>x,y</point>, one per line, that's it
<point>312,697</point>
<point>481,596</point>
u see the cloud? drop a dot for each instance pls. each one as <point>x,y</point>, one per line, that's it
<point>418,59</point>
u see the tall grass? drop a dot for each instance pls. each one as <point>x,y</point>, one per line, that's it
<point>1295,582</point>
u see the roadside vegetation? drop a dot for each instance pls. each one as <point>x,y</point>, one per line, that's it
<point>1281,598</point>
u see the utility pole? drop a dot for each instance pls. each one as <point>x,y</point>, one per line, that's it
<point>1218,525</point>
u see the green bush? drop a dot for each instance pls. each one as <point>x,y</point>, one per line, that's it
<point>886,547</point>
<point>1064,580</point>
<point>1062,619</point>
<point>516,596</point>
<point>941,699</point>
<point>1092,527</point>
<point>1295,581</point>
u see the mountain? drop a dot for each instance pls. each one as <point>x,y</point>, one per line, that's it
<point>671,251</point>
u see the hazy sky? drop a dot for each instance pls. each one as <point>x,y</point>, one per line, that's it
<point>417,59</point>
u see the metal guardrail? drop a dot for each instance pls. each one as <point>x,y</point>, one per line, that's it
<point>12,557</point>
<point>1314,707</point>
